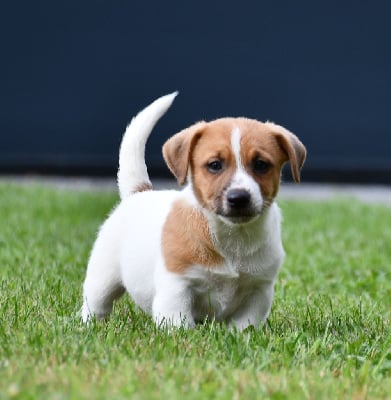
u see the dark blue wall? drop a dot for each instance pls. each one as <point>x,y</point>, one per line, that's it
<point>73,73</point>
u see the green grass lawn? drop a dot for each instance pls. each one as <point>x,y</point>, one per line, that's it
<point>328,336</point>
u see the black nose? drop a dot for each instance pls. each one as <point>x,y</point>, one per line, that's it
<point>238,198</point>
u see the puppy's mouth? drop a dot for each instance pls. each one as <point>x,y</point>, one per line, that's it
<point>242,219</point>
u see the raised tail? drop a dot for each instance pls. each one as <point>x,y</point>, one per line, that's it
<point>132,172</point>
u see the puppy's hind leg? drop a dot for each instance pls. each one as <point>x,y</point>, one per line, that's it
<point>102,284</point>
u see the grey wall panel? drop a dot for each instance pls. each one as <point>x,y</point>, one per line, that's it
<point>72,74</point>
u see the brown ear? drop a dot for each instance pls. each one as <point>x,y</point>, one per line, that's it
<point>177,150</point>
<point>293,148</point>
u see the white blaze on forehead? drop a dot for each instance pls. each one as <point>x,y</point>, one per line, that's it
<point>240,177</point>
<point>235,143</point>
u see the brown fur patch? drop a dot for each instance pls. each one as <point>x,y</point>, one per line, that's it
<point>186,240</point>
<point>177,150</point>
<point>214,144</point>
<point>292,146</point>
<point>259,142</point>
<point>143,187</point>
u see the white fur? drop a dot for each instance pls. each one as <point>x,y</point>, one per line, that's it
<point>127,254</point>
<point>235,144</point>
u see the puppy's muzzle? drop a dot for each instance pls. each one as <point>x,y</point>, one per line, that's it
<point>238,206</point>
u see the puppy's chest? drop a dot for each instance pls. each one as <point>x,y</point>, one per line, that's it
<point>217,292</point>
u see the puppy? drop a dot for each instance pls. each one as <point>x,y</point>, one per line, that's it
<point>212,250</point>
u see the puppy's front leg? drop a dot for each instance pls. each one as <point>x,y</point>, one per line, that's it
<point>255,309</point>
<point>172,303</point>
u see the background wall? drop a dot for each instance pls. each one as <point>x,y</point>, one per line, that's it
<point>73,73</point>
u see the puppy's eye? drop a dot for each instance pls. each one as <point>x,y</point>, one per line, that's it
<point>215,166</point>
<point>260,166</point>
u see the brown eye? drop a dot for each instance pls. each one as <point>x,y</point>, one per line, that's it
<point>215,166</point>
<point>260,166</point>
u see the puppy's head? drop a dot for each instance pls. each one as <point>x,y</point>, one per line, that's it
<point>234,164</point>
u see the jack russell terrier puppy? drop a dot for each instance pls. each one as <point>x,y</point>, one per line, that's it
<point>212,250</point>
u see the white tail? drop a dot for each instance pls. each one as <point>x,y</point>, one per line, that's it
<point>132,172</point>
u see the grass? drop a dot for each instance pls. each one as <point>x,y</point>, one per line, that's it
<point>328,336</point>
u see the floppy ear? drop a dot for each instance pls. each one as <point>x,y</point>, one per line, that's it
<point>177,150</point>
<point>293,148</point>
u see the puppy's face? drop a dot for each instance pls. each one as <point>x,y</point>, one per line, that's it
<point>234,164</point>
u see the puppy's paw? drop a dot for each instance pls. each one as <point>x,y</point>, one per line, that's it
<point>244,326</point>
<point>87,314</point>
